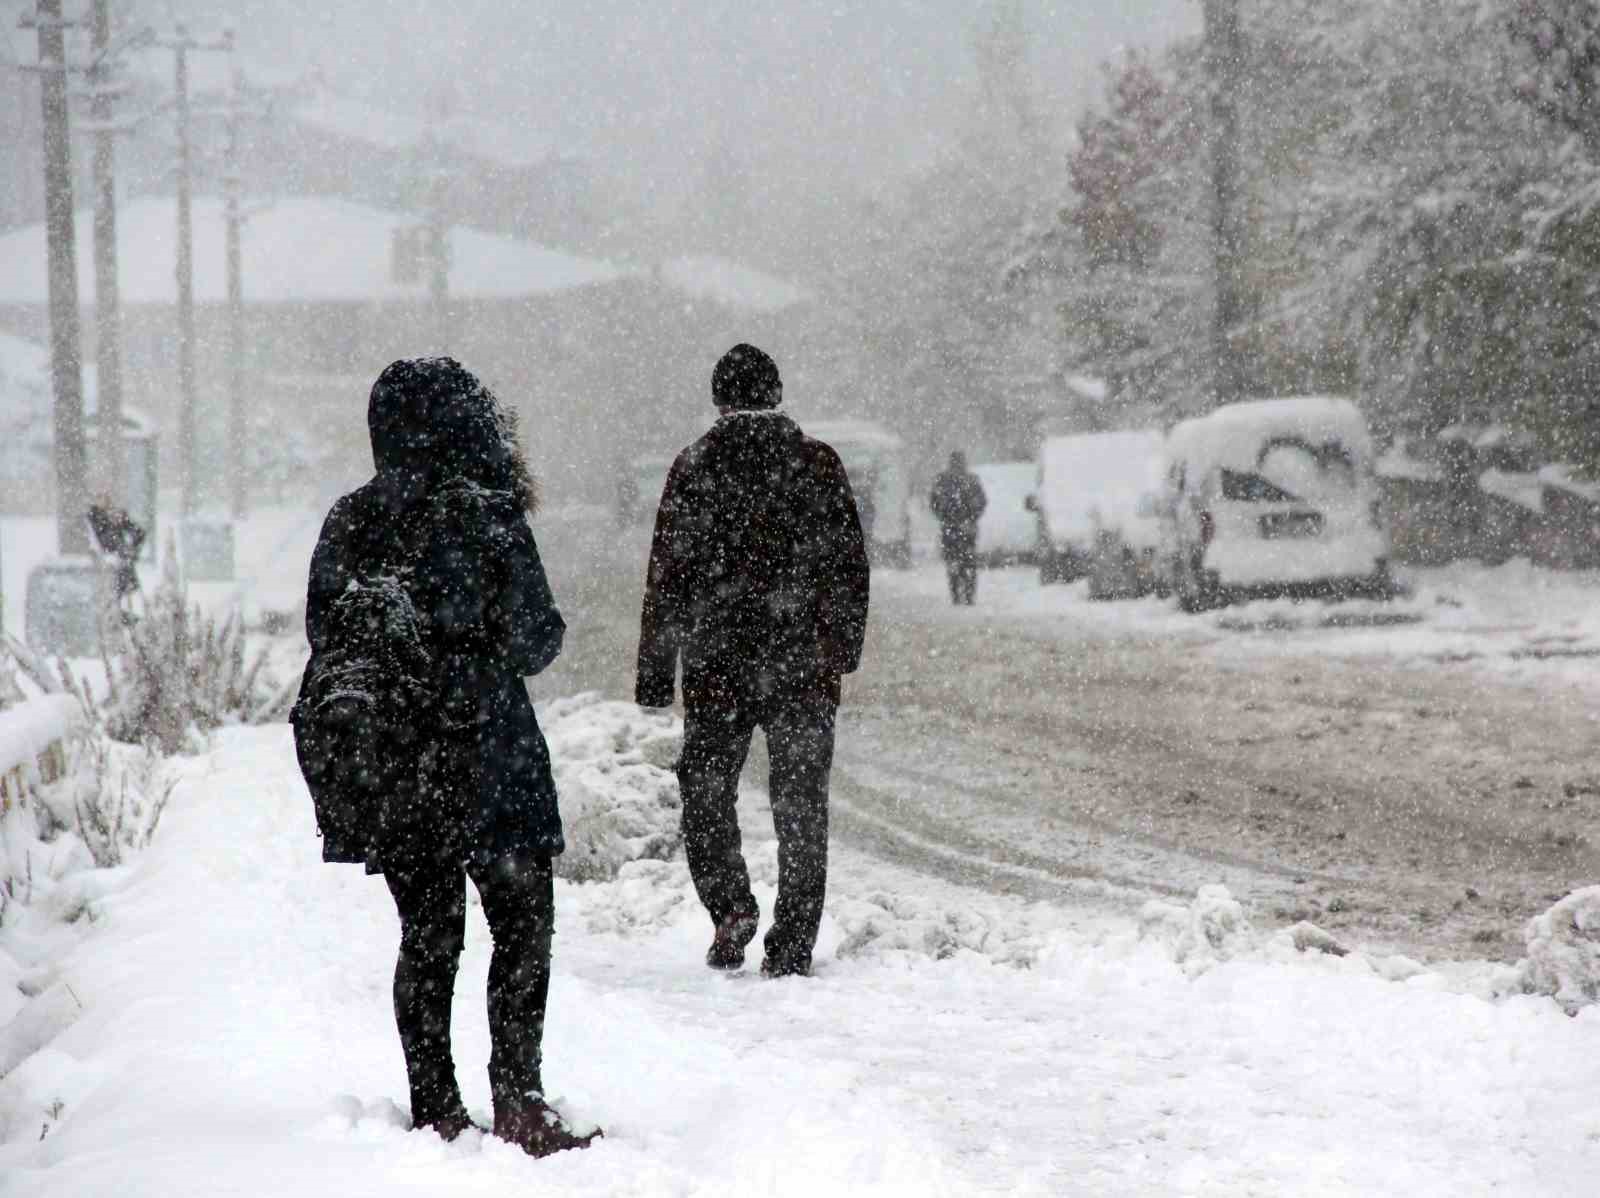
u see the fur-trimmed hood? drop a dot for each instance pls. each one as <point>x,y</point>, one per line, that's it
<point>431,420</point>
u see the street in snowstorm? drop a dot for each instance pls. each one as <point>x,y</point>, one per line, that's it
<point>1135,463</point>
<point>1032,746</point>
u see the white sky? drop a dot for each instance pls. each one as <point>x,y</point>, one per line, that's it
<point>813,97</point>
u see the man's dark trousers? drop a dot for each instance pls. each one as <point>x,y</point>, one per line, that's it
<point>716,739</point>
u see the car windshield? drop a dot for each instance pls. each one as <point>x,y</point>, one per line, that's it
<point>1252,488</point>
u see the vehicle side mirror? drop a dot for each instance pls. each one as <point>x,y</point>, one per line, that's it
<point>1030,502</point>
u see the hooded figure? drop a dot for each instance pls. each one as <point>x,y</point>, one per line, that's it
<point>957,500</point>
<point>444,519</point>
<point>758,582</point>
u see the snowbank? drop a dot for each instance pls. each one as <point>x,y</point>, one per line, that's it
<point>1210,929</point>
<point>1564,950</point>
<point>171,1054</point>
<point>30,728</point>
<point>613,765</point>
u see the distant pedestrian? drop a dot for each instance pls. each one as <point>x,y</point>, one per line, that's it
<point>957,501</point>
<point>427,607</point>
<point>121,538</point>
<point>758,580</point>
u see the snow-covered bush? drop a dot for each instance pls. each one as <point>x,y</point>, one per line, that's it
<point>178,673</point>
<point>613,766</point>
<point>1563,958</point>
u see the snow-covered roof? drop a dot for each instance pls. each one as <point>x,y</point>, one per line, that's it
<point>725,282</point>
<point>1233,435</point>
<point>302,248</point>
<point>1090,476</point>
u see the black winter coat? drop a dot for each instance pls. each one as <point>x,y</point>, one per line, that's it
<point>758,571</point>
<point>957,500</point>
<point>488,620</point>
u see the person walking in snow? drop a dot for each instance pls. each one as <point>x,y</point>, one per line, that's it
<point>441,530</point>
<point>957,500</point>
<point>758,580</point>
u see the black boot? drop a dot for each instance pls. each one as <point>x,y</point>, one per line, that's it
<point>534,1126</point>
<point>733,933</point>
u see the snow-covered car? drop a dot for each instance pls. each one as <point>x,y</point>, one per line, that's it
<point>1274,497</point>
<point>1006,533</point>
<point>1090,489</point>
<point>875,460</point>
<point>1126,562</point>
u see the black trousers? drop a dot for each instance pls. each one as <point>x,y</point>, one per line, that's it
<point>716,740</point>
<point>961,567</point>
<point>519,902</point>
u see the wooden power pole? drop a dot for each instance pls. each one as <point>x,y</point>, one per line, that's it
<point>107,296</point>
<point>1224,66</point>
<point>66,350</point>
<point>180,43</point>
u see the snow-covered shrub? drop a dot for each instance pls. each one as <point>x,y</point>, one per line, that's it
<point>613,766</point>
<point>1563,958</point>
<point>178,673</point>
<point>1212,928</point>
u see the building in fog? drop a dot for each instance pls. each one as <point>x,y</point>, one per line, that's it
<point>600,357</point>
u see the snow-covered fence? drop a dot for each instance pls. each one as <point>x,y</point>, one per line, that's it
<point>33,743</point>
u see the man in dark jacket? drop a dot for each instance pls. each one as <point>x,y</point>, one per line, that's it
<point>957,501</point>
<point>758,579</point>
<point>445,520</point>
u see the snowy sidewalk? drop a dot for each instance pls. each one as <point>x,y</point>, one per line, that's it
<point>232,1035</point>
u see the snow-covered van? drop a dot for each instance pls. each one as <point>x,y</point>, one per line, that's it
<point>875,460</point>
<point>1274,497</point>
<point>1006,529</point>
<point>1092,487</point>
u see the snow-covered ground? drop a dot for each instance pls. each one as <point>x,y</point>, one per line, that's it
<point>213,1017</point>
<point>217,1020</point>
<point>1516,619</point>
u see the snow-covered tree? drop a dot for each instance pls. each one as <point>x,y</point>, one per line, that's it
<point>1133,246</point>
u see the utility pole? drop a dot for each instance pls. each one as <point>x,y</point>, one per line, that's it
<point>180,43</point>
<point>66,350</point>
<point>107,300</point>
<point>236,434</point>
<point>1224,65</point>
<point>438,239</point>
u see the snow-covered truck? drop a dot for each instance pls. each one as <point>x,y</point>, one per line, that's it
<point>1095,492</point>
<point>875,461</point>
<point>1006,535</point>
<point>1274,497</point>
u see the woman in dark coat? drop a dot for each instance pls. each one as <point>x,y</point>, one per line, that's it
<point>445,516</point>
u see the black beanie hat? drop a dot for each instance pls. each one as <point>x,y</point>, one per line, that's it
<point>746,378</point>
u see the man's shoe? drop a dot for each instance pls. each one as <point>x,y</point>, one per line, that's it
<point>536,1128</point>
<point>785,967</point>
<point>733,933</point>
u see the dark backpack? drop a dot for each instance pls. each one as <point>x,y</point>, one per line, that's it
<point>363,719</point>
